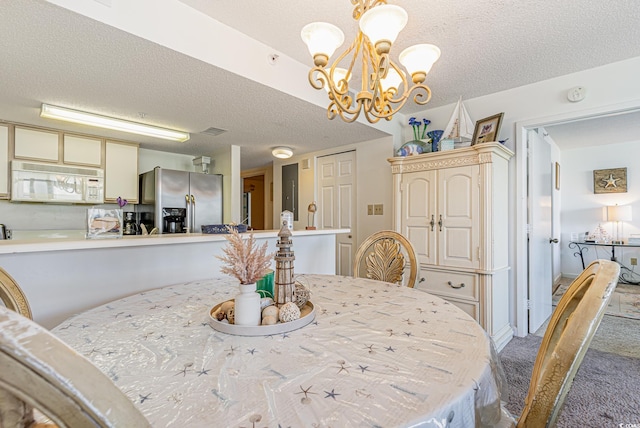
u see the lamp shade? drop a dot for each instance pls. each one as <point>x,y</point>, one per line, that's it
<point>419,58</point>
<point>619,213</point>
<point>322,38</point>
<point>383,23</point>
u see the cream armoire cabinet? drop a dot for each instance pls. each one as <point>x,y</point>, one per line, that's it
<point>453,207</point>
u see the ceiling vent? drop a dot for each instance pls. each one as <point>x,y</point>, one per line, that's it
<point>214,131</point>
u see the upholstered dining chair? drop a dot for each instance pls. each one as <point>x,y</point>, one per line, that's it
<point>384,256</point>
<point>39,371</point>
<point>565,342</point>
<point>12,296</point>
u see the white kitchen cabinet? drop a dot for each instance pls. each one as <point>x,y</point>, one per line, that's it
<point>82,150</point>
<point>4,161</point>
<point>121,172</point>
<point>36,144</point>
<point>453,207</point>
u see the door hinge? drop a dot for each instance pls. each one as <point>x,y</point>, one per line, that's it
<point>478,253</point>
<point>528,304</point>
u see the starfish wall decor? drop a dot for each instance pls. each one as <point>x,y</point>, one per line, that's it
<point>610,180</point>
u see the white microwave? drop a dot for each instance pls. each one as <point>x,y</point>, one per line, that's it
<point>42,182</point>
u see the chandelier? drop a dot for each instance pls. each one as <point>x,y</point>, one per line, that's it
<point>384,86</point>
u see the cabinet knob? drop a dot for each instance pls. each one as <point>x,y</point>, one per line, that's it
<point>440,222</point>
<point>455,286</point>
<point>553,240</point>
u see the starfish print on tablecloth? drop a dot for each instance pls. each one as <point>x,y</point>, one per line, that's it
<point>363,368</point>
<point>144,398</point>
<point>610,182</point>
<point>331,394</point>
<point>342,366</point>
<point>306,392</point>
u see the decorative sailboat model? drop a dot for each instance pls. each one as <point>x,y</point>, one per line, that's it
<point>460,127</point>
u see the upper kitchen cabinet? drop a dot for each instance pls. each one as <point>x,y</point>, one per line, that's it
<point>36,144</point>
<point>4,161</point>
<point>121,172</point>
<point>56,146</point>
<point>82,150</point>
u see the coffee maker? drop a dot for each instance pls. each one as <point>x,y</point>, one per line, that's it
<point>174,219</point>
<point>130,225</point>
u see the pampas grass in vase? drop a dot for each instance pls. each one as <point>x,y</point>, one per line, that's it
<point>248,262</point>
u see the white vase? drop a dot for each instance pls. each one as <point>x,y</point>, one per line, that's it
<point>247,306</point>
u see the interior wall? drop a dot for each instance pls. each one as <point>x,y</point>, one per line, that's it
<point>372,169</point>
<point>583,209</point>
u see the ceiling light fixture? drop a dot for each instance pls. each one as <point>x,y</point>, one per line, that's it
<point>84,118</point>
<point>384,86</point>
<point>282,152</point>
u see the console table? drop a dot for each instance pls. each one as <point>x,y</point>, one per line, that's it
<point>627,276</point>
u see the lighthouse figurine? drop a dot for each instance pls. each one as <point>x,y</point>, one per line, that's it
<point>284,290</point>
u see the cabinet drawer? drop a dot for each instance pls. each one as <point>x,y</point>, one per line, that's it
<point>471,308</point>
<point>450,284</point>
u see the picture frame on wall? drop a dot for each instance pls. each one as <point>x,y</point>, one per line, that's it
<point>487,129</point>
<point>612,180</point>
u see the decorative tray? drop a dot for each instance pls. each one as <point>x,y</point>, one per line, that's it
<point>307,314</point>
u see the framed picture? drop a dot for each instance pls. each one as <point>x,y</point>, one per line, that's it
<point>610,180</point>
<point>104,223</point>
<point>487,129</point>
<point>557,176</point>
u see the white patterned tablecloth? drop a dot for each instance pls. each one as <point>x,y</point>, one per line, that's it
<point>376,355</point>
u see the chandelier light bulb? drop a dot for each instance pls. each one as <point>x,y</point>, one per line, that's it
<point>393,80</point>
<point>382,24</point>
<point>419,59</point>
<point>322,40</point>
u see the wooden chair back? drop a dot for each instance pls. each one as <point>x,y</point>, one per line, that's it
<point>385,256</point>
<point>37,370</point>
<point>566,340</point>
<point>12,295</point>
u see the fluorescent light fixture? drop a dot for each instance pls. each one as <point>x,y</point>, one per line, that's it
<point>282,152</point>
<point>84,118</point>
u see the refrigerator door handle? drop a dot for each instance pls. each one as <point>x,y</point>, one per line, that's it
<point>193,214</point>
<point>188,219</point>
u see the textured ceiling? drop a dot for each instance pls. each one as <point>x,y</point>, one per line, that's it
<point>49,54</point>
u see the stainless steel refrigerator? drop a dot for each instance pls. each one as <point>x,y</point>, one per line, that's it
<point>181,201</point>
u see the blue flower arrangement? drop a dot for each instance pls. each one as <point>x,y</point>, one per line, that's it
<point>419,134</point>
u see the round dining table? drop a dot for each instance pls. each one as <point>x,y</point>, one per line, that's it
<point>375,355</point>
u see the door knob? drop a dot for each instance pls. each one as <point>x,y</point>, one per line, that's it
<point>553,240</point>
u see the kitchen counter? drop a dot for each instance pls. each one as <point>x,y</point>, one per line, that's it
<point>64,276</point>
<point>39,244</point>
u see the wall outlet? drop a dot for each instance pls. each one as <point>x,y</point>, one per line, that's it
<point>369,209</point>
<point>634,261</point>
<point>377,209</point>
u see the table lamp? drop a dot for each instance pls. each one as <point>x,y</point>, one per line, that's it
<point>617,214</point>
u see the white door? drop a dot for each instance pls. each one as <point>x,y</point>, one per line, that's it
<point>337,198</point>
<point>540,229</point>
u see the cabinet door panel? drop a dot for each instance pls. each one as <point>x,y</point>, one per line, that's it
<point>36,144</point>
<point>82,150</point>
<point>121,172</point>
<point>418,209</point>
<point>458,203</point>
